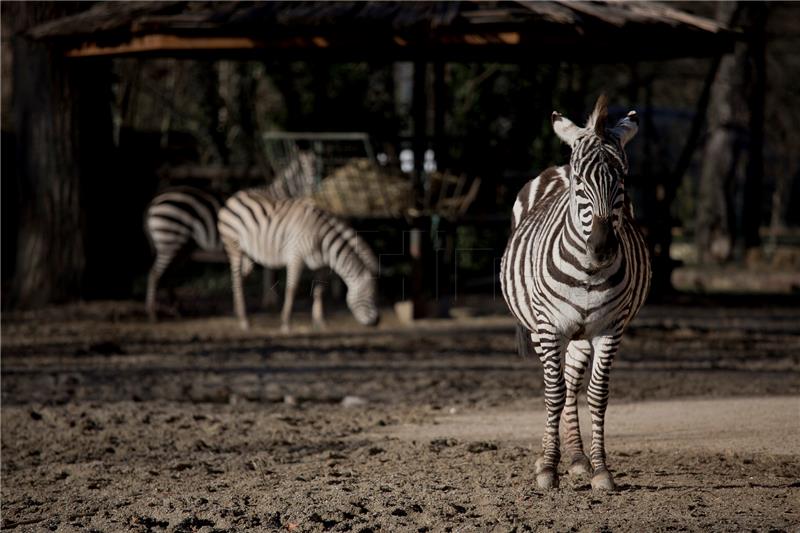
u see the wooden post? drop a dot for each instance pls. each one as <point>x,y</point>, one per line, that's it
<point>421,231</point>
<point>751,215</point>
<point>443,231</point>
<point>440,106</point>
<point>419,114</point>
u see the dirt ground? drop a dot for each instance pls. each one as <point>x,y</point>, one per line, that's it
<point>112,424</point>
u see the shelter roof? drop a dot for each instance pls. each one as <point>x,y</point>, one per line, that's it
<point>514,30</point>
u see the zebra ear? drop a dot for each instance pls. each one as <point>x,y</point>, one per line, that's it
<point>566,130</point>
<point>626,128</point>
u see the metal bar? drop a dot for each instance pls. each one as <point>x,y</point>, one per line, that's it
<point>323,136</point>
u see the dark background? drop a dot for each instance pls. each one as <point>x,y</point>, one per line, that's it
<point>724,205</point>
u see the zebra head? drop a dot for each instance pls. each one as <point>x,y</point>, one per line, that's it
<point>361,296</point>
<point>598,168</point>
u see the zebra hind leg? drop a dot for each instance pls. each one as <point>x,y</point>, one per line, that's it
<point>160,264</point>
<point>550,348</point>
<point>235,260</point>
<point>577,358</point>
<point>525,344</point>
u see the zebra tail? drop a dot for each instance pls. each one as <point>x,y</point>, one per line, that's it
<point>524,343</point>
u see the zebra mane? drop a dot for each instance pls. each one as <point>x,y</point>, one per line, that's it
<point>357,245</point>
<point>364,253</point>
<point>598,118</point>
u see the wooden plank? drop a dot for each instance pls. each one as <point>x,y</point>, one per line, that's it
<point>210,172</point>
<point>158,42</point>
<point>174,43</point>
<point>498,45</point>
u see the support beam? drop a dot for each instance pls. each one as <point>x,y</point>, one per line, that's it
<point>751,215</point>
<point>420,234</point>
<point>165,43</point>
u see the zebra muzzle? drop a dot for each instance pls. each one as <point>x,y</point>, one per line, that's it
<point>602,243</point>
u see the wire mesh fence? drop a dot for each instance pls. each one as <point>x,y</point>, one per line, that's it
<point>342,174</point>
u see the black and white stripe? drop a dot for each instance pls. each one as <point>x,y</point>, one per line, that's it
<point>292,233</point>
<point>574,273</point>
<point>176,220</point>
<point>296,179</point>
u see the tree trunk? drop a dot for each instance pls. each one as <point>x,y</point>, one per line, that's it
<point>729,195</point>
<point>752,208</point>
<point>55,106</point>
<point>50,254</point>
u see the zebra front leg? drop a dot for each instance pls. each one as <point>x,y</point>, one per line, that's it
<point>579,354</point>
<point>293,271</point>
<point>317,311</point>
<point>550,348</point>
<point>160,264</point>
<point>247,266</point>
<point>235,259</point>
<point>597,395</point>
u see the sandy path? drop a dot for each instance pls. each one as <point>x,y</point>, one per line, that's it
<point>769,425</point>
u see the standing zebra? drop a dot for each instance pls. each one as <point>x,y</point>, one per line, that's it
<point>174,220</point>
<point>574,273</point>
<point>290,233</point>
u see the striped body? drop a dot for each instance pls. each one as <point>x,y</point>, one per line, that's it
<point>574,273</point>
<point>545,270</point>
<point>294,233</point>
<point>176,220</point>
<point>295,179</point>
<point>181,215</point>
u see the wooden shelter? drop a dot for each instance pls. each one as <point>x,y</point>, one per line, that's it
<point>422,32</point>
<point>506,31</point>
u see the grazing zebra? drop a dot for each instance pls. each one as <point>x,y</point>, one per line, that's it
<point>176,219</point>
<point>181,216</point>
<point>295,179</point>
<point>574,273</point>
<point>290,233</point>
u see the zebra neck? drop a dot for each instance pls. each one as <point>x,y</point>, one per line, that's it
<point>572,230</point>
<point>344,261</point>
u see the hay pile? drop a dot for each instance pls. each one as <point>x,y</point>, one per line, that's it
<point>359,188</point>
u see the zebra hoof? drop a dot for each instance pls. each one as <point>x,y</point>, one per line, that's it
<point>602,480</point>
<point>547,479</point>
<point>244,325</point>
<point>285,328</point>
<point>580,466</point>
